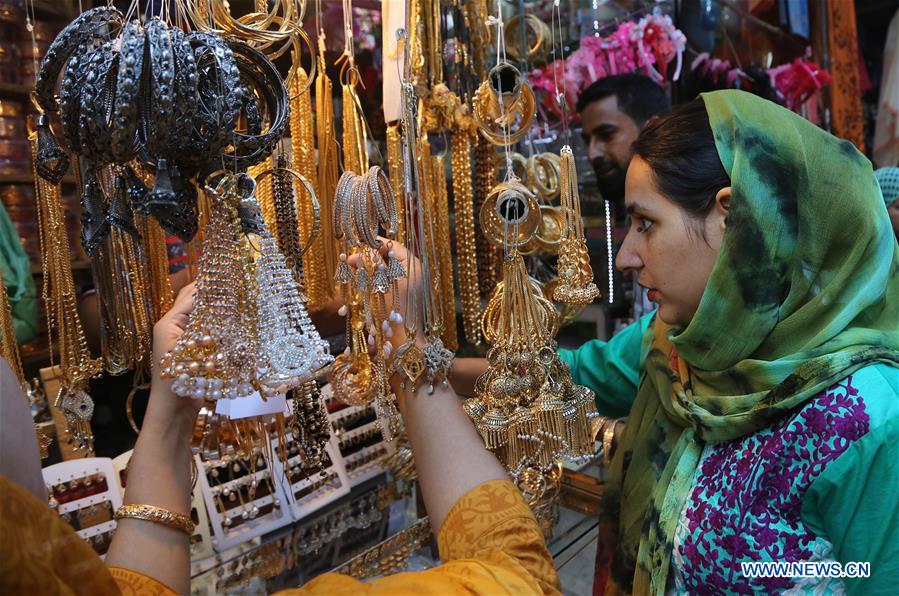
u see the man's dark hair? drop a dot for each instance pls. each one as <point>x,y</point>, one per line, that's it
<point>638,96</point>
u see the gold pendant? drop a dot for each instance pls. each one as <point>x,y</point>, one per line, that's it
<point>413,363</point>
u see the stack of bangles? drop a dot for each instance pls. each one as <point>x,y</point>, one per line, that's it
<point>158,515</point>
<point>603,428</point>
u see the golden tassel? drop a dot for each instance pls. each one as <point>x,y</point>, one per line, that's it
<point>575,273</point>
<point>526,407</point>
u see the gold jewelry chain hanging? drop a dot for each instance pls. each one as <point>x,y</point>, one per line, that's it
<point>9,351</point>
<point>397,180</point>
<point>466,248</point>
<point>302,140</point>
<point>157,251</point>
<point>9,348</point>
<point>75,362</point>
<point>327,164</point>
<point>265,194</point>
<point>447,295</point>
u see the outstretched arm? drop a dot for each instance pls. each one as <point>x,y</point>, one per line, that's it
<point>450,456</point>
<point>159,472</point>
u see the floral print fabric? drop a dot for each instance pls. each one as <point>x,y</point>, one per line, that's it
<point>747,494</point>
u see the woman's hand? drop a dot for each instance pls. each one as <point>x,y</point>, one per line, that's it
<point>164,405</point>
<point>410,263</point>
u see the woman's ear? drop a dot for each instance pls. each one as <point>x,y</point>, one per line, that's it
<point>722,205</point>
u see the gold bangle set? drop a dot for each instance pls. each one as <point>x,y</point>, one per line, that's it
<point>504,105</point>
<point>537,50</point>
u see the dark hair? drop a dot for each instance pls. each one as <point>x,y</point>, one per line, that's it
<point>638,96</point>
<point>680,150</point>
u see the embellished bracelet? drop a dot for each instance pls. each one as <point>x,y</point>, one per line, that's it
<point>158,515</point>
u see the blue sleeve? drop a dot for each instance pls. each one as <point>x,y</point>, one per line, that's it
<point>855,500</point>
<point>611,369</point>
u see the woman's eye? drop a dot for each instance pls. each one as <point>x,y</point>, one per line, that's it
<point>641,225</point>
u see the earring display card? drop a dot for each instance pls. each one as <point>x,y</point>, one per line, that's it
<point>85,494</point>
<point>243,501</point>
<point>358,436</point>
<point>308,490</point>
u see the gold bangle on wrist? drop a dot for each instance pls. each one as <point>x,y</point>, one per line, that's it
<point>158,515</point>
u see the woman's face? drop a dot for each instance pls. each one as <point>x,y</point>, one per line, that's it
<point>670,252</point>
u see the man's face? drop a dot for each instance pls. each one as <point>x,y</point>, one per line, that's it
<point>608,134</point>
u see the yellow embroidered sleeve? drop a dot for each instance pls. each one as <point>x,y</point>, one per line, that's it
<point>490,544</point>
<point>41,554</point>
<point>132,583</point>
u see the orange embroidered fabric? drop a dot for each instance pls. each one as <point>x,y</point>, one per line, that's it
<point>133,583</point>
<point>490,544</point>
<point>41,554</point>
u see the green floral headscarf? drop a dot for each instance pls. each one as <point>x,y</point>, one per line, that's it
<point>797,300</point>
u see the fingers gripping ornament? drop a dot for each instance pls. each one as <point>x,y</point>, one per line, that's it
<point>249,330</point>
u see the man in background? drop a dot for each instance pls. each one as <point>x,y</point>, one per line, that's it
<point>613,111</point>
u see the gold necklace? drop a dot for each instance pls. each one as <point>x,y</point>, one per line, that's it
<point>302,140</point>
<point>466,250</point>
<point>76,364</point>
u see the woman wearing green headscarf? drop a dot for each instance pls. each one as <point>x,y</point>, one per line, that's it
<point>763,398</point>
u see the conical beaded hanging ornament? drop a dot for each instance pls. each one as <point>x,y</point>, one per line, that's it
<point>215,357</point>
<point>291,350</point>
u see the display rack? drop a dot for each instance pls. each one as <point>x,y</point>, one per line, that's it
<point>96,478</point>
<point>358,438</point>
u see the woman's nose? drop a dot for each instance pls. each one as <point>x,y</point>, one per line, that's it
<point>627,257</point>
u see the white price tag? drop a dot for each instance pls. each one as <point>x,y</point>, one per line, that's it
<point>252,405</point>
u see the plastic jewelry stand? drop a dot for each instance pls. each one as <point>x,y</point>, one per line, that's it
<point>367,462</point>
<point>77,469</point>
<point>335,485</point>
<point>225,537</point>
